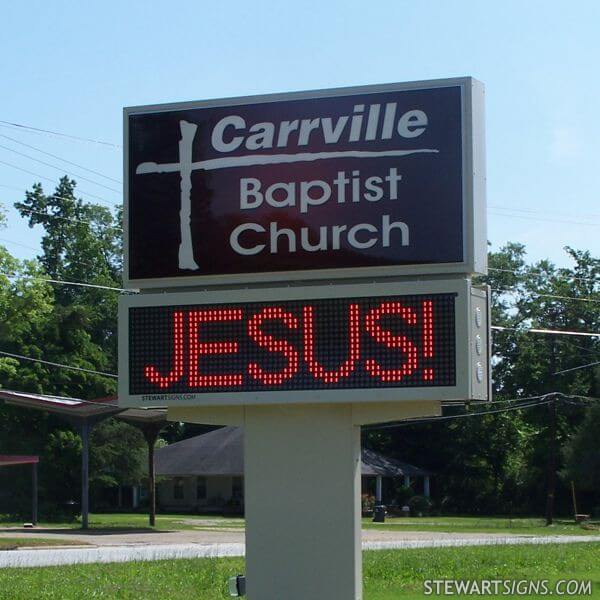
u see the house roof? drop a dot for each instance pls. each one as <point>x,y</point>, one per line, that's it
<point>374,463</point>
<point>221,452</point>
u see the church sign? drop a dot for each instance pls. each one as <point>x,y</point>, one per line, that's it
<point>370,181</point>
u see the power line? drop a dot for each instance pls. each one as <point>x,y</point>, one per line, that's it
<point>60,365</point>
<point>64,282</point>
<point>11,187</point>
<point>544,211</point>
<point>542,400</point>
<point>19,244</point>
<point>543,295</point>
<point>60,158</point>
<point>513,216</point>
<point>24,190</point>
<point>558,275</point>
<point>496,327</point>
<point>45,214</point>
<point>116,225</point>
<point>47,164</point>
<point>593,364</point>
<point>546,331</point>
<point>78,262</point>
<point>60,134</point>
<point>73,219</point>
<point>53,181</point>
<point>581,402</point>
<point>510,400</point>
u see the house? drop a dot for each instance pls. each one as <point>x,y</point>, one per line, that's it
<point>206,473</point>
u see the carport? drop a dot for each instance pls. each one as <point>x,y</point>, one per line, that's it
<point>83,415</point>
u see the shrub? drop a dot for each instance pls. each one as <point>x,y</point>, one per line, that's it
<point>403,495</point>
<point>419,505</point>
<point>367,502</point>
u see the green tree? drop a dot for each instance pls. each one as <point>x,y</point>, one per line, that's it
<point>499,462</point>
<point>582,452</point>
<point>69,324</point>
<point>118,455</point>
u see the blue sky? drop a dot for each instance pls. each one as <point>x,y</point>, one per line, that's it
<point>72,66</point>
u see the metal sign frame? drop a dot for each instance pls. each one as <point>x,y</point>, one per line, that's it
<point>469,301</point>
<point>473,191</point>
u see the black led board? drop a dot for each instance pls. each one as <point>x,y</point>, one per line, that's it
<point>403,341</point>
<point>336,183</point>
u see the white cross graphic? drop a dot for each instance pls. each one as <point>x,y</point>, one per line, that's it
<point>185,166</point>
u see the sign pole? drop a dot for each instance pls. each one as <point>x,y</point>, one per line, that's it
<point>302,501</point>
<point>302,474</point>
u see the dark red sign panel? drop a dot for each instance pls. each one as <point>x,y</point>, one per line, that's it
<point>370,179</point>
<point>389,341</point>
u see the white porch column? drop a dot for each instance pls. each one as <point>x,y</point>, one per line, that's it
<point>378,489</point>
<point>426,492</point>
<point>407,481</point>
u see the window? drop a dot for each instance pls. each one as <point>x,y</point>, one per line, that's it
<point>237,488</point>
<point>201,488</point>
<point>178,492</point>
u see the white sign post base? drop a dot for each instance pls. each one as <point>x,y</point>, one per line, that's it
<point>302,478</point>
<point>302,503</point>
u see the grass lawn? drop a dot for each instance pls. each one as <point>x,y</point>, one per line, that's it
<point>12,543</point>
<point>388,575</point>
<point>502,525</point>
<point>138,521</point>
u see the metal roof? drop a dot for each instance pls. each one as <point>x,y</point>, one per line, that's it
<point>221,452</point>
<point>78,409</point>
<point>73,408</point>
<point>7,460</point>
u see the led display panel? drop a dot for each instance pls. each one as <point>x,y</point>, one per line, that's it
<point>396,341</point>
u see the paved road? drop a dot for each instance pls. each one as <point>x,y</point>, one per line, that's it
<point>98,537</point>
<point>215,544</point>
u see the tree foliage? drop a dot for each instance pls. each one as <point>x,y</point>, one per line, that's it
<point>582,452</point>
<point>67,324</point>
<point>498,463</point>
<point>490,463</point>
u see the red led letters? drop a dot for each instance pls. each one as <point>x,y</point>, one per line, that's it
<point>197,349</point>
<point>317,370</point>
<point>389,340</point>
<point>372,343</point>
<point>270,343</point>
<point>151,372</point>
<point>427,337</point>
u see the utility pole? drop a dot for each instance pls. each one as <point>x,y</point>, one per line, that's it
<point>551,489</point>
